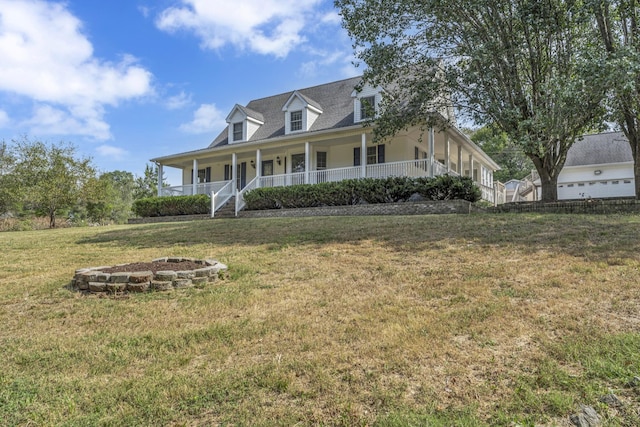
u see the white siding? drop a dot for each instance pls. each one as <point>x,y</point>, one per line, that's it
<point>296,104</point>
<point>237,117</point>
<point>310,119</point>
<point>582,182</point>
<point>251,127</point>
<point>366,92</point>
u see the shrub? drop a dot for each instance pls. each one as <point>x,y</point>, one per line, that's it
<point>365,190</point>
<point>170,206</point>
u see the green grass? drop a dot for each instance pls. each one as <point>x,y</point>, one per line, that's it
<point>365,321</point>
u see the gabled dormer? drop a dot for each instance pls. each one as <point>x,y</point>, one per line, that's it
<point>366,103</point>
<point>300,112</point>
<point>243,123</point>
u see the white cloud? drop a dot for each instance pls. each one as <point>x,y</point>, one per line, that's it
<point>341,60</point>
<point>207,118</point>
<point>4,118</point>
<point>44,56</point>
<point>116,153</point>
<point>269,27</point>
<point>332,18</point>
<point>178,101</point>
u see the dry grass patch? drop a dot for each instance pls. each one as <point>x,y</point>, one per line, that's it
<point>447,320</point>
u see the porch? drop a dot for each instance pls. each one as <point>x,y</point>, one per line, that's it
<point>223,191</point>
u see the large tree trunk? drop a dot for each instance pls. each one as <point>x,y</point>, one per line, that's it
<point>548,179</point>
<point>549,186</point>
<point>636,165</point>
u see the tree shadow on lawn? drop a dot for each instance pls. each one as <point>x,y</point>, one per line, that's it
<point>594,237</point>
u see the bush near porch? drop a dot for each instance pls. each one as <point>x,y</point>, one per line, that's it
<point>171,206</point>
<point>361,191</point>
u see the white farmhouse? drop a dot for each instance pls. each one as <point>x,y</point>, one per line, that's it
<point>314,135</point>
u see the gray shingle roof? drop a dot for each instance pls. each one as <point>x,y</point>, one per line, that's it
<point>334,99</point>
<point>251,113</point>
<point>602,148</point>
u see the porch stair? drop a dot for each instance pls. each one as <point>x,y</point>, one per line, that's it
<point>228,210</point>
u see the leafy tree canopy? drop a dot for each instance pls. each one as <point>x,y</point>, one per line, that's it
<point>46,178</point>
<point>529,67</point>
<point>514,163</point>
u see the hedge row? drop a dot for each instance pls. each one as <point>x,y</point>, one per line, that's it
<point>170,206</point>
<point>359,191</point>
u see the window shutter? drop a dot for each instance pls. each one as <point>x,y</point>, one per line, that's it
<point>227,172</point>
<point>207,176</point>
<point>356,156</point>
<point>381,153</point>
<point>191,175</point>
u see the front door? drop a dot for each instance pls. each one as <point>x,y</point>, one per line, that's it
<point>241,176</point>
<point>267,172</point>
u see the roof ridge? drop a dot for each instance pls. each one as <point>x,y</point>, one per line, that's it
<point>290,92</point>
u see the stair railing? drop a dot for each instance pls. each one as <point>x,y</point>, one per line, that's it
<point>218,199</point>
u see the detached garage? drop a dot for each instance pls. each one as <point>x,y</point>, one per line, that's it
<point>598,166</point>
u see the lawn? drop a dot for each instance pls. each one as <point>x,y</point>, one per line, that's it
<point>366,321</point>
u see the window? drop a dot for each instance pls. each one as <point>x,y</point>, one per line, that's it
<point>204,175</point>
<point>367,107</point>
<point>615,182</point>
<point>297,163</point>
<point>296,120</point>
<point>227,172</point>
<point>237,131</point>
<point>321,160</point>
<point>372,156</point>
<point>581,184</point>
<point>375,155</point>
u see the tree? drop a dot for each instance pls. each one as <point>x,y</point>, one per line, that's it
<point>514,63</point>
<point>147,185</point>
<point>109,197</point>
<point>8,196</point>
<point>617,28</point>
<point>514,163</point>
<point>48,178</point>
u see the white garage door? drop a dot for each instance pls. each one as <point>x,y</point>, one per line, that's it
<point>596,189</point>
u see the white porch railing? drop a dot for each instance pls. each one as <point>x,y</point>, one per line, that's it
<point>334,175</point>
<point>222,191</point>
<point>488,193</point>
<point>501,193</point>
<point>187,190</point>
<point>240,203</point>
<point>219,198</point>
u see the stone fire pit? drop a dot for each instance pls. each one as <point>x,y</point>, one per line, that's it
<point>161,274</point>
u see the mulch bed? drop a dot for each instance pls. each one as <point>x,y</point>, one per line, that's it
<point>154,267</point>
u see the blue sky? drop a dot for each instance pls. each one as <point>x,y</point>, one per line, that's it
<point>128,80</point>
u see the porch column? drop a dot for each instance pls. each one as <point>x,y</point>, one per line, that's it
<point>471,165</point>
<point>432,154</point>
<point>234,162</point>
<point>307,160</point>
<point>194,177</point>
<point>160,173</point>
<point>258,166</point>
<point>363,156</point>
<point>460,165</point>
<point>447,152</point>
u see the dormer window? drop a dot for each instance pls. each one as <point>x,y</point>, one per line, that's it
<point>296,121</point>
<point>366,103</point>
<point>300,112</point>
<point>243,123</point>
<point>237,131</point>
<point>367,107</point>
